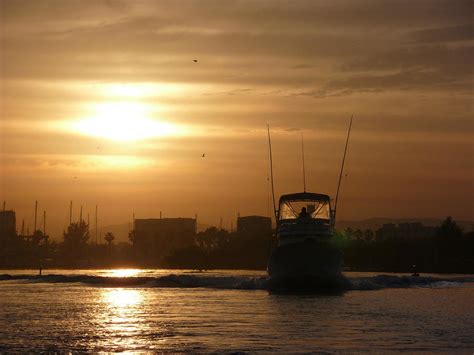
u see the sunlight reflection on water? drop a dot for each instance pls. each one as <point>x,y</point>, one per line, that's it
<point>95,317</point>
<point>123,272</point>
<point>122,299</point>
<point>121,318</point>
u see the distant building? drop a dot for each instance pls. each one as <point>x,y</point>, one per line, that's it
<point>7,224</point>
<point>156,238</point>
<point>254,225</point>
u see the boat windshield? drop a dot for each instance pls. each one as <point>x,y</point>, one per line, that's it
<point>305,209</point>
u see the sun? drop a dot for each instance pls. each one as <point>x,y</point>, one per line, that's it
<point>123,121</point>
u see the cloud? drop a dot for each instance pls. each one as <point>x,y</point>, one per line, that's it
<point>319,50</point>
<point>444,34</point>
<point>403,67</point>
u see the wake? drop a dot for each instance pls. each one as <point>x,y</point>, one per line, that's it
<point>240,282</point>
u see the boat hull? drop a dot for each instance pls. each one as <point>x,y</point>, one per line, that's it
<point>309,265</point>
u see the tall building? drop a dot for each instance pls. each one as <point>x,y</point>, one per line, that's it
<point>254,225</point>
<point>7,224</point>
<point>156,238</point>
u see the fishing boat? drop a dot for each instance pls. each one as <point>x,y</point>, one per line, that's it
<point>305,257</point>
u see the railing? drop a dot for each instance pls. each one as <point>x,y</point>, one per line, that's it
<point>308,229</point>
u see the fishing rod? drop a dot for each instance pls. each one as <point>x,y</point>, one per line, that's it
<point>302,157</point>
<point>271,172</point>
<point>342,170</point>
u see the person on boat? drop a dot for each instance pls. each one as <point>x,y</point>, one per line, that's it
<point>303,214</point>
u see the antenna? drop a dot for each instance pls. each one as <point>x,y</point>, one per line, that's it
<point>36,213</point>
<point>96,240</point>
<point>44,222</point>
<point>342,170</point>
<point>70,213</point>
<point>271,172</point>
<point>4,217</point>
<point>80,216</point>
<point>302,156</point>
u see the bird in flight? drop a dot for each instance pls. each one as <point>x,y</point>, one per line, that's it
<point>203,155</point>
<point>195,60</point>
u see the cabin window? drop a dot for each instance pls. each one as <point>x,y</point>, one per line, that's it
<point>314,209</point>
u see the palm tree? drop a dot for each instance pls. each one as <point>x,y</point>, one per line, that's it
<point>75,240</point>
<point>77,234</point>
<point>109,238</point>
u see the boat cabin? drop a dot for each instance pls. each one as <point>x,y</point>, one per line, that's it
<point>305,206</point>
<point>304,215</point>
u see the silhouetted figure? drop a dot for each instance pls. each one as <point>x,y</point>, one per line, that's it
<point>413,269</point>
<point>40,271</point>
<point>303,213</point>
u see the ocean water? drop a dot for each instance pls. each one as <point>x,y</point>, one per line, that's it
<point>231,311</point>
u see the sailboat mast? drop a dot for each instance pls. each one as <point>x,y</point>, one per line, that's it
<point>4,216</point>
<point>342,169</point>
<point>302,157</point>
<point>96,235</point>
<point>271,172</point>
<point>36,214</point>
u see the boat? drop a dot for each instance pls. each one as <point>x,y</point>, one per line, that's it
<point>306,257</point>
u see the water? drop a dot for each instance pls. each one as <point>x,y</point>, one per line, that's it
<point>230,311</point>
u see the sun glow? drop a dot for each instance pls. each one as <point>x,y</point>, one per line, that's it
<point>124,272</point>
<point>124,121</point>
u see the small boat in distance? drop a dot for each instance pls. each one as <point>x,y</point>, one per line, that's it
<point>305,257</point>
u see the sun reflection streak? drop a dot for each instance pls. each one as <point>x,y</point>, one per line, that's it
<point>124,272</point>
<point>121,318</point>
<point>122,299</point>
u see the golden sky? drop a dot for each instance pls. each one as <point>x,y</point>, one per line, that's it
<point>115,102</point>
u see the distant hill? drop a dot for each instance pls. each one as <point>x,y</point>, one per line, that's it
<point>375,223</point>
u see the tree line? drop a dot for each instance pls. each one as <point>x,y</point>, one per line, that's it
<point>450,249</point>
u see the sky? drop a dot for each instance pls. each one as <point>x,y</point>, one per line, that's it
<point>114,103</point>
